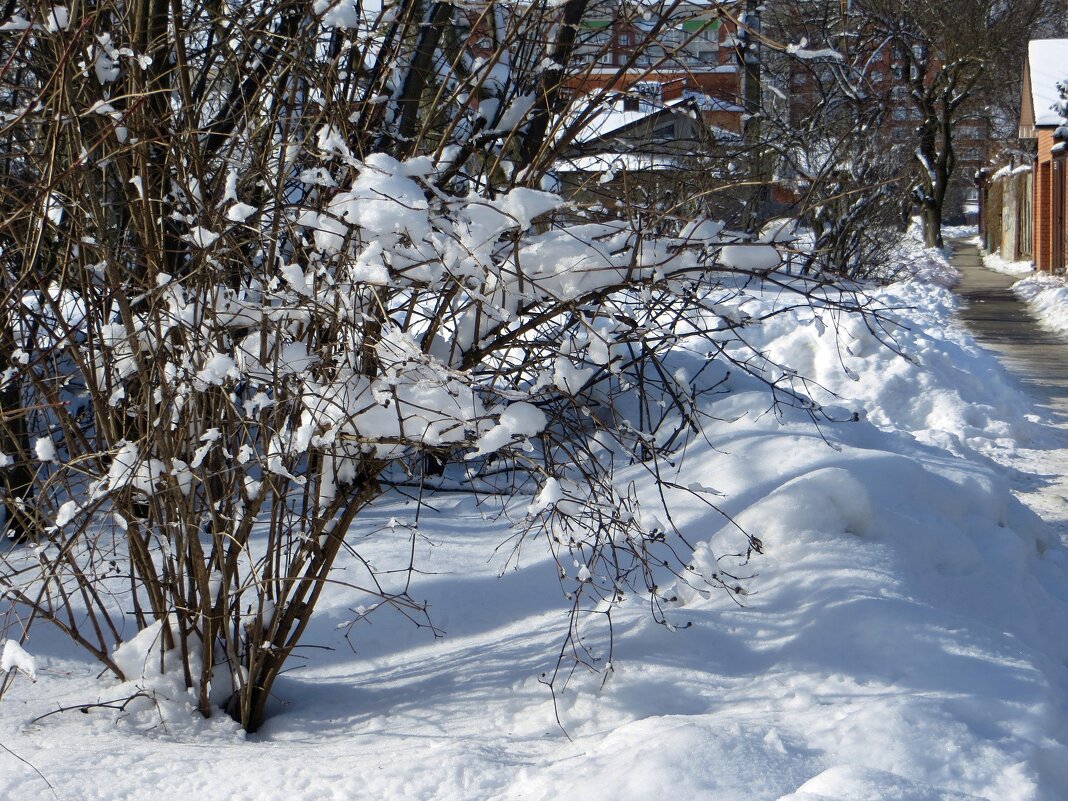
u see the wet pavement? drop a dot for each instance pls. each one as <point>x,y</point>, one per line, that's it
<point>1000,322</point>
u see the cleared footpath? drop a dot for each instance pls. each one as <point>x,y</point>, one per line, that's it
<point>1000,322</point>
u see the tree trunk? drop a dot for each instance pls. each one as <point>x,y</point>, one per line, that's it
<point>17,480</point>
<point>932,224</point>
<point>549,88</point>
<point>418,77</point>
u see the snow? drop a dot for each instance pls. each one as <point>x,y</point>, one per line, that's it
<point>519,420</point>
<point>239,212</point>
<point>750,257</point>
<point>16,23</point>
<point>611,116</point>
<point>58,19</point>
<point>14,657</point>
<point>549,494</point>
<point>130,469</point>
<point>338,13</point>
<point>67,512</point>
<point>929,265</point>
<point>45,450</point>
<point>1047,297</point>
<point>999,264</point>
<point>217,368</point>
<point>824,53</point>
<point>514,113</point>
<point>106,64</point>
<point>1046,59</point>
<point>612,163</point>
<point>202,237</point>
<point>902,637</point>
<point>416,398</point>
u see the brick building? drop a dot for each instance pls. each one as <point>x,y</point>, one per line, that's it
<point>1042,123</point>
<point>689,53</point>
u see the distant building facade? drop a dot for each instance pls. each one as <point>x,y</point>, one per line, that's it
<point>686,54</point>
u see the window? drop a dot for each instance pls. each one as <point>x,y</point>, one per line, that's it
<point>702,33</point>
<point>656,54</point>
<point>671,36</point>
<point>597,46</point>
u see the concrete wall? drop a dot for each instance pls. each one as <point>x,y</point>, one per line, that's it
<point>1006,200</point>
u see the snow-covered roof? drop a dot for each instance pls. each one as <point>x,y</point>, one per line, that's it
<point>1046,67</point>
<point>617,162</point>
<point>612,116</point>
<point>706,102</point>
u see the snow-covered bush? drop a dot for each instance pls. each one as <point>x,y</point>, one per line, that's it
<point>263,262</point>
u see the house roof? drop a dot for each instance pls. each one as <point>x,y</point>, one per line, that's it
<point>1045,68</point>
<point>617,162</point>
<point>611,117</point>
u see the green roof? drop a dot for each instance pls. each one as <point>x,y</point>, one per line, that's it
<point>699,24</point>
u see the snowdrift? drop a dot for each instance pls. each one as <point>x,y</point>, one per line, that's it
<point>1046,294</point>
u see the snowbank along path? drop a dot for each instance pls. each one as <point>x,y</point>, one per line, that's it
<point>1000,321</point>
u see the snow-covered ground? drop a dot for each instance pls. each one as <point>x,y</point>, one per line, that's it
<point>995,262</point>
<point>904,638</point>
<point>1047,296</point>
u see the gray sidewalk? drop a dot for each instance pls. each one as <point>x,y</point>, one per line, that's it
<point>1001,322</point>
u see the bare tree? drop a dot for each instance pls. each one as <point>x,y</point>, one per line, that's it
<point>829,119</point>
<point>952,58</point>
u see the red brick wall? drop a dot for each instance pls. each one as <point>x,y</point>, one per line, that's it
<point>1041,240</point>
<point>723,85</point>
